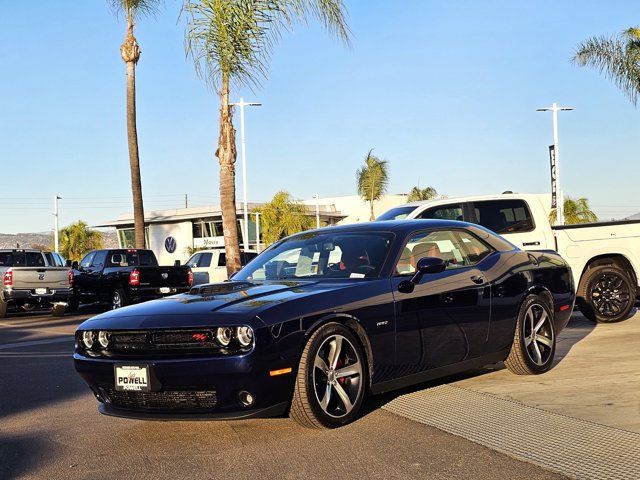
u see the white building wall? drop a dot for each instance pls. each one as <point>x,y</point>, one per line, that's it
<point>182,233</point>
<point>356,209</point>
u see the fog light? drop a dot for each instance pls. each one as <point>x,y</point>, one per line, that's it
<point>244,336</point>
<point>87,339</point>
<point>223,335</point>
<point>103,339</point>
<point>246,399</point>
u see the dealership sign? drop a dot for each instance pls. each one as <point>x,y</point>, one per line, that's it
<point>170,244</point>
<point>208,242</point>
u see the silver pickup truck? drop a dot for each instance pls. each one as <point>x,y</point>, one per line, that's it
<point>32,279</point>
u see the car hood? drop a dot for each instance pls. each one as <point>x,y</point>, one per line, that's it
<point>213,305</point>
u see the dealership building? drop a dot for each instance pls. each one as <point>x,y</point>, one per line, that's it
<point>174,234</point>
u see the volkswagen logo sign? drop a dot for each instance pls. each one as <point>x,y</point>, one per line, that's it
<point>170,244</point>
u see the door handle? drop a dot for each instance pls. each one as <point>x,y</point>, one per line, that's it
<point>530,244</point>
<point>477,279</point>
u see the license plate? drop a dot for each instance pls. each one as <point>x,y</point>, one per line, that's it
<point>165,289</point>
<point>41,291</point>
<point>132,378</point>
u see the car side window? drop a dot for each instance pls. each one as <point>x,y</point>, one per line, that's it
<point>222,259</point>
<point>473,248</point>
<point>86,261</point>
<point>504,216</point>
<point>457,248</point>
<point>443,212</point>
<point>193,261</point>
<point>50,259</point>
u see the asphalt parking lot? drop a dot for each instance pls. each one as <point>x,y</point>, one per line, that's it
<point>50,427</point>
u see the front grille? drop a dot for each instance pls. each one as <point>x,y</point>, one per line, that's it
<point>165,341</point>
<point>188,400</point>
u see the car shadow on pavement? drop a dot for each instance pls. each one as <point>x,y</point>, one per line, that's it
<point>577,330</point>
<point>22,454</point>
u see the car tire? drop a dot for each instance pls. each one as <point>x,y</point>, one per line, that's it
<point>118,299</point>
<point>3,308</point>
<point>331,379</point>
<point>534,340</point>
<point>58,310</point>
<point>607,294</point>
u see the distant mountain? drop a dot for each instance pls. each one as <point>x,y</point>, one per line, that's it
<point>37,240</point>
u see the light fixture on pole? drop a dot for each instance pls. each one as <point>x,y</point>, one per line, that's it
<point>55,223</point>
<point>245,210</point>
<point>257,214</point>
<point>317,197</point>
<point>554,108</point>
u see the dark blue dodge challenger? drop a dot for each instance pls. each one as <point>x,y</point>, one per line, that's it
<point>323,318</point>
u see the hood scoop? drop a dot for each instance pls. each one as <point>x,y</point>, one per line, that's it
<point>219,288</point>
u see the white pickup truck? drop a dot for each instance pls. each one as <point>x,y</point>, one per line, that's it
<point>210,266</point>
<point>604,256</point>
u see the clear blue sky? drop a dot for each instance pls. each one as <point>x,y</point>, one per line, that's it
<point>446,91</point>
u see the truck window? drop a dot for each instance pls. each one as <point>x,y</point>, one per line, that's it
<point>50,260</point>
<point>35,259</point>
<point>146,258</point>
<point>193,261</point>
<point>246,257</point>
<point>6,259</point>
<point>443,212</point>
<point>205,260</point>
<point>504,216</point>
<point>99,259</point>
<point>86,261</point>
<point>222,260</point>
<point>397,213</point>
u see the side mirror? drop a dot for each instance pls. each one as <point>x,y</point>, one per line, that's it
<point>176,263</point>
<point>425,266</point>
<point>74,265</point>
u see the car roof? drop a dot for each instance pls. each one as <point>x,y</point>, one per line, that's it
<point>395,226</point>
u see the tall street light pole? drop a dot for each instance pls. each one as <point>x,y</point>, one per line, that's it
<point>554,108</point>
<point>55,222</point>
<point>317,197</point>
<point>243,104</point>
<point>257,214</point>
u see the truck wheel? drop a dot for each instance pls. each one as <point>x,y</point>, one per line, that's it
<point>118,299</point>
<point>3,308</point>
<point>58,310</point>
<point>607,294</point>
<point>73,304</point>
<point>534,341</point>
<point>331,380</point>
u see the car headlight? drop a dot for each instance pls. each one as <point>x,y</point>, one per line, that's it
<point>224,335</point>
<point>103,339</point>
<point>87,339</point>
<point>244,336</point>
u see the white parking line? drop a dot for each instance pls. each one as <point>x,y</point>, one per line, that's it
<point>8,346</point>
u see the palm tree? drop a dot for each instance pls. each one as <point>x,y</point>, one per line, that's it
<point>575,211</point>
<point>418,194</point>
<point>230,42</point>
<point>372,180</point>
<point>130,53</point>
<point>283,216</point>
<point>617,57</point>
<point>76,240</point>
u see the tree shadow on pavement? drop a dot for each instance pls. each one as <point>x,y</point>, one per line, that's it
<point>22,454</point>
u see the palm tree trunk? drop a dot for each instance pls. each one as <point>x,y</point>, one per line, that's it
<point>226,154</point>
<point>134,158</point>
<point>372,216</point>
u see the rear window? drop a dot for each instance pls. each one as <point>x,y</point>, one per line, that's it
<point>35,259</point>
<point>132,258</point>
<point>397,213</point>
<point>504,216</point>
<point>7,259</point>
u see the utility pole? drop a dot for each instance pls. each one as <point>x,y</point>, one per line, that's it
<point>186,200</point>
<point>554,108</point>
<point>257,214</point>
<point>243,104</point>
<point>317,197</point>
<point>55,222</point>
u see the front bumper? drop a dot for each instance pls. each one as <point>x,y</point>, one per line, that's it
<point>179,384</point>
<point>29,295</point>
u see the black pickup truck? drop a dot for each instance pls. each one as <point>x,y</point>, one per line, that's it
<point>120,277</point>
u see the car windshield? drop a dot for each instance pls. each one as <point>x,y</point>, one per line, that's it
<point>397,213</point>
<point>321,255</point>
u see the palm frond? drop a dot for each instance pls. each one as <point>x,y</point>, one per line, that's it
<point>615,58</point>
<point>234,39</point>
<point>134,9</point>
